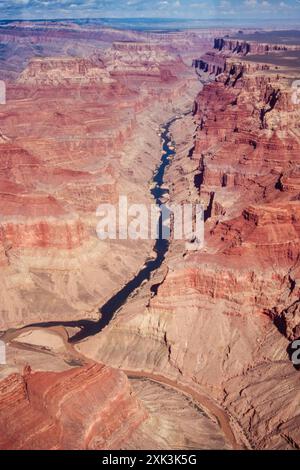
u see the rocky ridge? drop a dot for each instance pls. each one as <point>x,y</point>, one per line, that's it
<point>221,320</point>
<point>217,323</point>
<point>91,122</point>
<point>87,408</point>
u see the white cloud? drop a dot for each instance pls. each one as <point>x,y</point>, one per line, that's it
<point>250,3</point>
<point>225,4</point>
<point>286,6</point>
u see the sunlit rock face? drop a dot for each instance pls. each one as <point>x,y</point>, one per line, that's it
<point>222,318</point>
<point>80,128</point>
<point>65,71</point>
<point>83,128</point>
<point>84,408</point>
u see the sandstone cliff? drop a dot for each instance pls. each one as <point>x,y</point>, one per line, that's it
<point>83,408</point>
<point>65,71</point>
<point>240,47</point>
<point>221,320</point>
<point>71,134</point>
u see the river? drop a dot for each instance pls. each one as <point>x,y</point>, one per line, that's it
<point>108,310</point>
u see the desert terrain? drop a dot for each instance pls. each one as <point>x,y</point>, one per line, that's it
<point>195,354</point>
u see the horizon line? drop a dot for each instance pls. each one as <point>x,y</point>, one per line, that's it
<point>149,18</point>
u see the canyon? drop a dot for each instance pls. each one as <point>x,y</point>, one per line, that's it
<point>221,319</point>
<point>85,136</point>
<point>210,332</point>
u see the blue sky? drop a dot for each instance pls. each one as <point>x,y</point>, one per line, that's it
<point>260,9</point>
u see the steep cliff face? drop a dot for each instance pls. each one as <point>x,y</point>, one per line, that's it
<point>71,133</point>
<point>64,71</point>
<point>222,318</point>
<point>216,322</point>
<point>225,51</point>
<point>144,59</point>
<point>23,41</point>
<point>210,63</point>
<point>246,47</point>
<point>84,408</point>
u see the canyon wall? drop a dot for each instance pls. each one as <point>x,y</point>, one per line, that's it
<point>75,133</point>
<point>240,47</point>
<point>87,408</point>
<point>215,324</point>
<point>220,320</point>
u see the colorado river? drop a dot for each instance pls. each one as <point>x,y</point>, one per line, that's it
<point>108,310</point>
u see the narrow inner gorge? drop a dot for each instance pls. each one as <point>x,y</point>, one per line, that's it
<point>108,310</point>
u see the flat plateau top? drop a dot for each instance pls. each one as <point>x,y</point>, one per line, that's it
<point>290,60</point>
<point>288,37</point>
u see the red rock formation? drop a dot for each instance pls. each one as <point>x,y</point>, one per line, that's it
<point>65,71</point>
<point>234,46</point>
<point>222,318</point>
<point>211,63</point>
<point>219,320</point>
<point>84,408</point>
<point>71,131</point>
<point>248,146</point>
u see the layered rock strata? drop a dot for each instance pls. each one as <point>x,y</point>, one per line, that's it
<point>77,133</point>
<point>84,408</point>
<point>220,320</point>
<point>240,47</point>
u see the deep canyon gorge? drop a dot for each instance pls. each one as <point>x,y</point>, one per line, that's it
<point>197,354</point>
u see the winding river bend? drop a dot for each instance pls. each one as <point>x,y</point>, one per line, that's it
<point>89,328</point>
<point>108,310</point>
